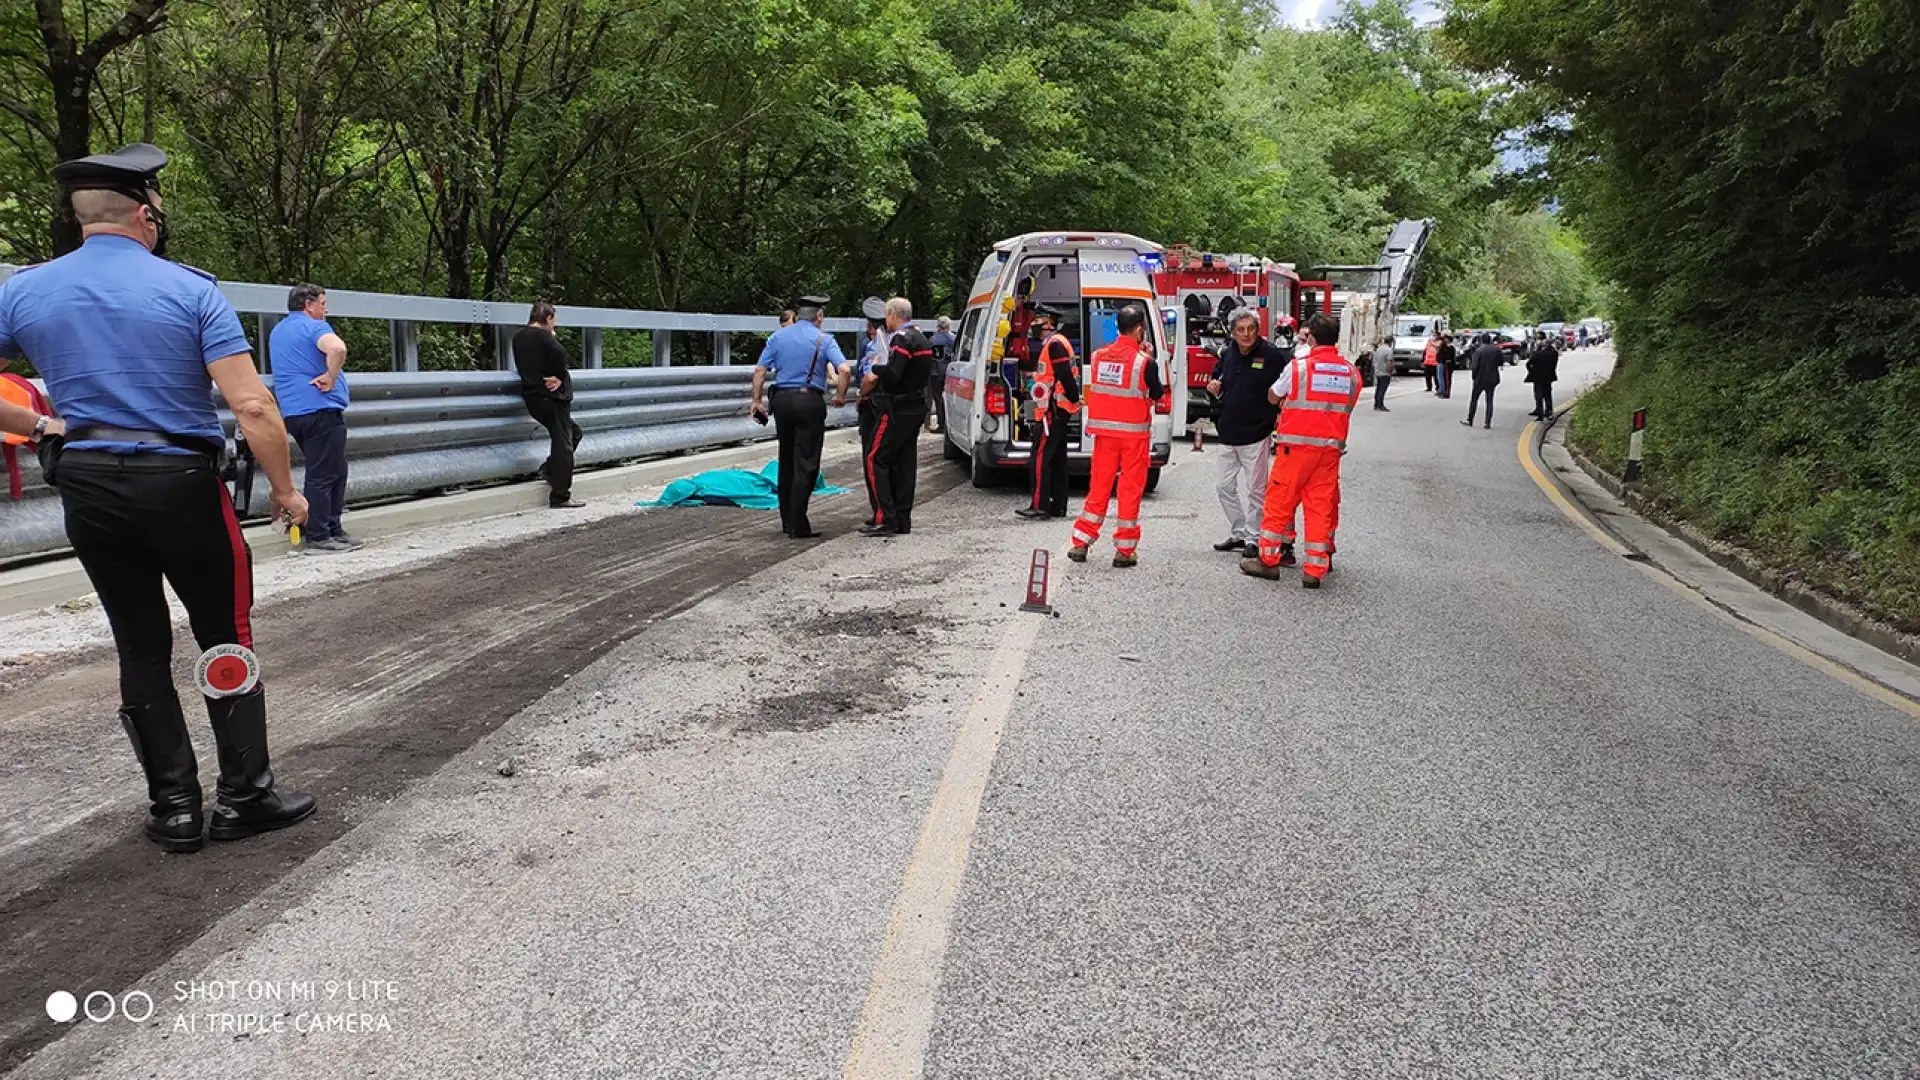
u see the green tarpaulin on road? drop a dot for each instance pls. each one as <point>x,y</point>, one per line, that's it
<point>733,487</point>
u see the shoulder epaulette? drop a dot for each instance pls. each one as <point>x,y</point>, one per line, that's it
<point>197,272</point>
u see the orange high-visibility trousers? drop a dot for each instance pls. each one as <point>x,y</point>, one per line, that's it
<point>1304,478</point>
<point>1121,461</point>
<point>1287,534</point>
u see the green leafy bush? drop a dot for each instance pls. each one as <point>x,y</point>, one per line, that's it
<point>1748,175</point>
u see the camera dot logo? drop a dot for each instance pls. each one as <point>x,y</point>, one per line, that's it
<point>62,1007</point>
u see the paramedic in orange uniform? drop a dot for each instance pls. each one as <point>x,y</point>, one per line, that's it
<point>1123,382</point>
<point>1054,370</point>
<point>1314,416</point>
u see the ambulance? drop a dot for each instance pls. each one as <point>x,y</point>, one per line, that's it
<point>992,407</point>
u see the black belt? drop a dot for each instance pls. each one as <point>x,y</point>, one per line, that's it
<point>808,389</point>
<point>110,434</point>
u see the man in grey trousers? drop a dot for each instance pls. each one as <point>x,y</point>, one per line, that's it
<point>1247,369</point>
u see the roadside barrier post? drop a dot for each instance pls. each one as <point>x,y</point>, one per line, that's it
<point>1633,445</point>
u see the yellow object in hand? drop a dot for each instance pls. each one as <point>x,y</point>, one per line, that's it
<point>293,535</point>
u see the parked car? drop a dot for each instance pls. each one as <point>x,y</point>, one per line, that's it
<point>1514,341</point>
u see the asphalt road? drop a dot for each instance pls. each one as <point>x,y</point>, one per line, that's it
<point>1492,803</point>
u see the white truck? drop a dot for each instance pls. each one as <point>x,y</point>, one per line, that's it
<point>1410,336</point>
<point>989,397</point>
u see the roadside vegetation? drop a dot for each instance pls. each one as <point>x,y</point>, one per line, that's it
<point>1748,175</point>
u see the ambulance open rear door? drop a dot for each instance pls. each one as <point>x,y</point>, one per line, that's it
<point>1111,278</point>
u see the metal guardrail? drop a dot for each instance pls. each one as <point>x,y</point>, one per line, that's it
<point>411,432</point>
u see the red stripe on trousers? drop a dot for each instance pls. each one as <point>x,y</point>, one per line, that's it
<point>242,572</point>
<point>879,432</point>
<point>1039,463</point>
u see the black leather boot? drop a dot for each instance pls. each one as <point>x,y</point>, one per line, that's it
<point>248,802</point>
<point>165,752</point>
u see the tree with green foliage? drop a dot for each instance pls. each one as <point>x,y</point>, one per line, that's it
<point>1748,175</point>
<point>726,154</point>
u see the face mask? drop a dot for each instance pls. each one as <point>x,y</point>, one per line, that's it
<point>160,230</point>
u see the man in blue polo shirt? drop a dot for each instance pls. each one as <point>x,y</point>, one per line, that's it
<point>131,346</point>
<point>309,378</point>
<point>801,360</point>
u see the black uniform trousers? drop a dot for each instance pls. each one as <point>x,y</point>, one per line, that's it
<point>563,437</point>
<point>893,463</point>
<point>1048,466</point>
<point>869,415</point>
<point>800,425</point>
<point>139,519</point>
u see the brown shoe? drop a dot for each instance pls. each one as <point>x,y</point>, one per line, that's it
<point>1256,568</point>
<point>1077,553</point>
<point>1308,581</point>
<point>1125,559</point>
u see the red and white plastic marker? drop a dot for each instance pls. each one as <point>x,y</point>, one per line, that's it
<point>227,671</point>
<point>1199,441</point>
<point>1037,584</point>
<point>1633,445</point>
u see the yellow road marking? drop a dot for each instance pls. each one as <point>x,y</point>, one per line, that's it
<point>891,1040</point>
<point>1600,536</point>
<point>1774,638</point>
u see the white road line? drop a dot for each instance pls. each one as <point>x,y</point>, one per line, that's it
<point>890,1042</point>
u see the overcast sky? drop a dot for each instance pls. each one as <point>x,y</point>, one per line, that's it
<point>1303,12</point>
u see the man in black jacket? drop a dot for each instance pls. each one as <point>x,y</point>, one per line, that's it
<point>547,388</point>
<point>1246,371</point>
<point>898,382</point>
<point>1543,367</point>
<point>1486,362</point>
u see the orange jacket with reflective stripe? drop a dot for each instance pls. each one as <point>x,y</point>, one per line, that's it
<point>1115,392</point>
<point>1320,399</point>
<point>1043,374</point>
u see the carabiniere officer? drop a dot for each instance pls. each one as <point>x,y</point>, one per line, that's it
<point>801,359</point>
<point>131,345</point>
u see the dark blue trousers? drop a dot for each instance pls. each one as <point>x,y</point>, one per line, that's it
<point>322,437</point>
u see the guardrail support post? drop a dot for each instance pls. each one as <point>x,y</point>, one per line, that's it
<point>503,347</point>
<point>594,348</point>
<point>722,348</point>
<point>406,344</point>
<point>267,323</point>
<point>663,348</point>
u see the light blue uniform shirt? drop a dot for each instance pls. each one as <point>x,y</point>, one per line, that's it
<point>123,338</point>
<point>297,361</point>
<point>789,355</point>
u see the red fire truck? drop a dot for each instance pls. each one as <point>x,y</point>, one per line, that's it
<point>1200,290</point>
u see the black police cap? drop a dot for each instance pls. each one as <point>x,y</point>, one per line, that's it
<point>874,308</point>
<point>1048,310</point>
<point>132,168</point>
